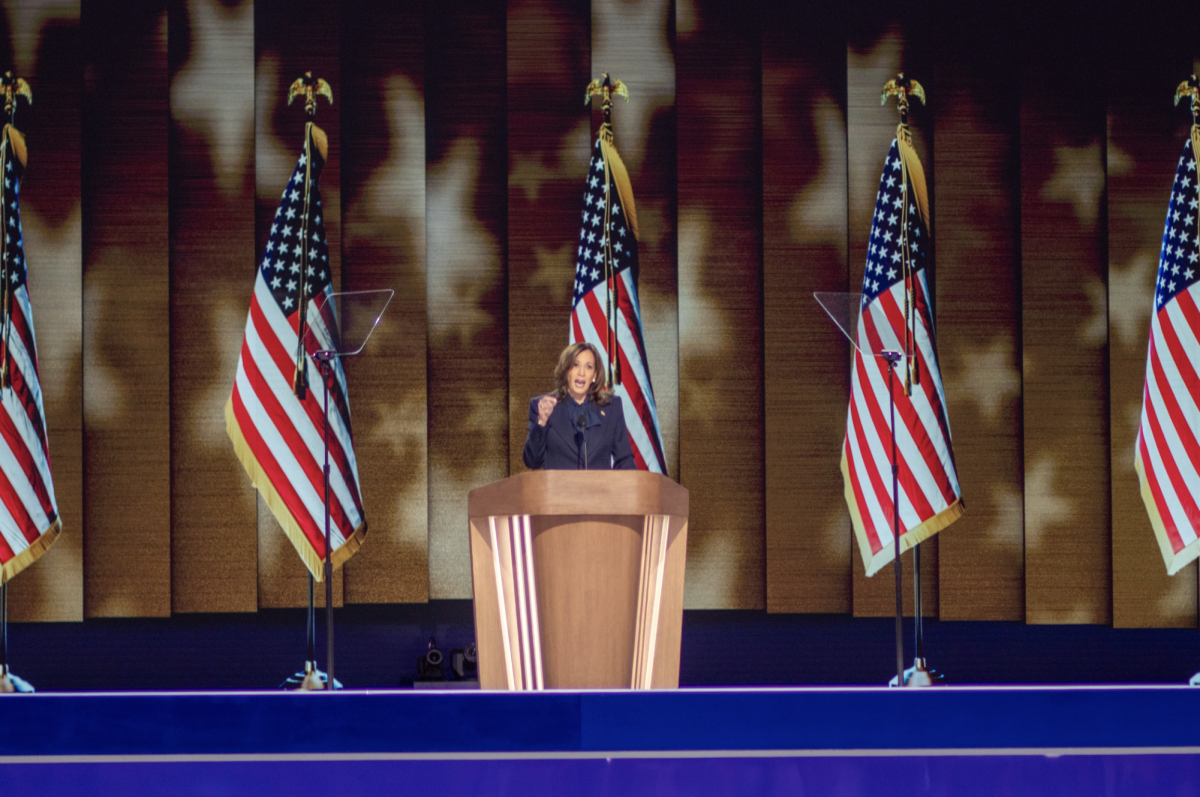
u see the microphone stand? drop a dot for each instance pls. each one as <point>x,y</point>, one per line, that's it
<point>581,422</point>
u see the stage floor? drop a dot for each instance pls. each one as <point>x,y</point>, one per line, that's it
<point>945,740</point>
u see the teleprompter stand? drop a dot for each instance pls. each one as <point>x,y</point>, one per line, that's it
<point>350,318</point>
<point>845,309</point>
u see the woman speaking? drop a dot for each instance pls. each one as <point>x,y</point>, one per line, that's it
<point>581,425</point>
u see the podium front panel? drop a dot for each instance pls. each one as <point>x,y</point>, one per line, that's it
<point>566,599</point>
<point>587,582</point>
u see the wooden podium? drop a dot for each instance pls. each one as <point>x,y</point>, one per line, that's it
<point>578,579</point>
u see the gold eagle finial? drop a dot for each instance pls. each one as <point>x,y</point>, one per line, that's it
<point>14,87</point>
<point>604,87</point>
<point>310,88</point>
<point>1189,88</point>
<point>902,87</point>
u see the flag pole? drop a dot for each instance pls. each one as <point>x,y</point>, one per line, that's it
<point>9,683</point>
<point>901,88</point>
<point>1191,88</point>
<point>13,88</point>
<point>310,88</point>
<point>6,684</point>
<point>605,87</point>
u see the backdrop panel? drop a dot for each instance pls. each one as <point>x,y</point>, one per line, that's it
<point>382,114</point>
<point>466,228</point>
<point>805,376</point>
<point>214,552</point>
<point>977,163</point>
<point>1064,317</point>
<point>718,83</point>
<point>126,348</point>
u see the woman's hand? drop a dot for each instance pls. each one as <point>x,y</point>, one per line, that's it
<point>545,407</point>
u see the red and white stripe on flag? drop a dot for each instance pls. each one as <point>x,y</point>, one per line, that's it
<point>278,437</point>
<point>637,397</point>
<point>606,268</point>
<point>928,493</point>
<point>1167,456</point>
<point>29,521</point>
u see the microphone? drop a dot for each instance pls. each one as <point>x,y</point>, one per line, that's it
<point>581,422</point>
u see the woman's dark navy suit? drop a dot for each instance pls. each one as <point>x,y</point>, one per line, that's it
<point>558,444</point>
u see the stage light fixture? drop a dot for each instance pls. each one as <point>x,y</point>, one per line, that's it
<point>429,664</point>
<point>463,663</point>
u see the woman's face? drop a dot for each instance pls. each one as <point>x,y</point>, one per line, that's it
<point>581,375</point>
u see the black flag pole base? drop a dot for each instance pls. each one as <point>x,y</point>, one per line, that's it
<point>310,680</point>
<point>10,684</point>
<point>919,675</point>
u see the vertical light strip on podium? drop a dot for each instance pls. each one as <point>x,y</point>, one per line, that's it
<point>512,561</point>
<point>639,631</point>
<point>654,562</point>
<point>504,636</point>
<point>527,540</point>
<point>520,577</point>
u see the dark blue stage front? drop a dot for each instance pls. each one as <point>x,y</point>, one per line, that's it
<point>185,705</point>
<point>850,741</point>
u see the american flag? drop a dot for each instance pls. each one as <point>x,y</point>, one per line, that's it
<point>1168,454</point>
<point>277,436</point>
<point>929,494</point>
<point>605,309</point>
<point>29,521</point>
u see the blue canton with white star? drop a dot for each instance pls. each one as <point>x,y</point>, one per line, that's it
<point>884,260</point>
<point>589,257</point>
<point>14,244</point>
<point>281,263</point>
<point>1177,266</point>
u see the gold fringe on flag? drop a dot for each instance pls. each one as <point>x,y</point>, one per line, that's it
<point>619,175</point>
<point>1196,157</point>
<point>913,175</point>
<point>28,556</point>
<point>18,144</point>
<point>914,172</point>
<point>321,139</point>
<point>873,563</point>
<point>1175,561</point>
